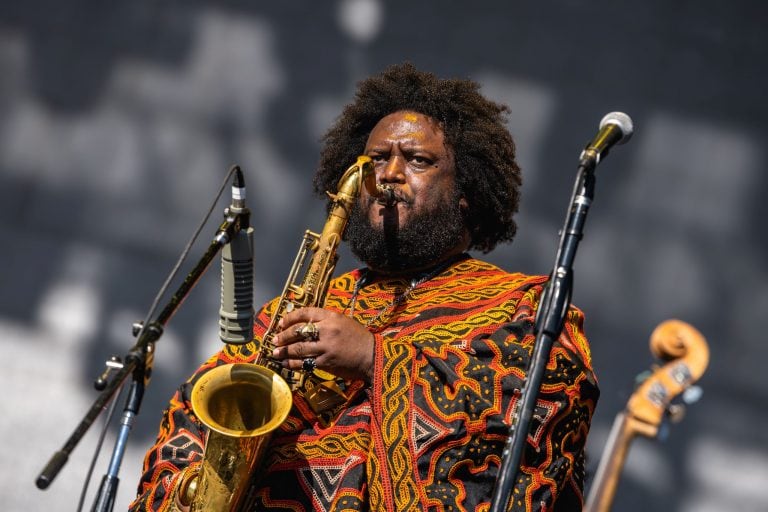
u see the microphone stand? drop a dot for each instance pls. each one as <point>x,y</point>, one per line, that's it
<point>138,364</point>
<point>548,326</point>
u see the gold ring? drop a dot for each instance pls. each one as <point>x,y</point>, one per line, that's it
<point>309,331</point>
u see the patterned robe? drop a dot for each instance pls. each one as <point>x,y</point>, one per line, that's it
<point>428,432</point>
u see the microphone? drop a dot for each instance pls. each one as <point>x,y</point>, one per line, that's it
<point>615,128</point>
<point>236,312</point>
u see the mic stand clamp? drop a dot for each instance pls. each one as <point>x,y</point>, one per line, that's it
<point>114,363</point>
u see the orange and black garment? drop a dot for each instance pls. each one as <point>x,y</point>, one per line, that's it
<point>429,431</point>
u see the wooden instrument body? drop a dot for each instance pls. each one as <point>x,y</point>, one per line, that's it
<point>687,355</point>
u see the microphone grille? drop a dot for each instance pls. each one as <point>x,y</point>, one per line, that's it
<point>623,121</point>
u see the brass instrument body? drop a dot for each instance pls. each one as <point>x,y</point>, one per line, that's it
<point>243,403</point>
<point>319,388</point>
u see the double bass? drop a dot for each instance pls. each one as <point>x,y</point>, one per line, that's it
<point>686,353</point>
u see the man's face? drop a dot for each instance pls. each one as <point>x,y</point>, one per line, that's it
<point>409,152</point>
<point>424,223</point>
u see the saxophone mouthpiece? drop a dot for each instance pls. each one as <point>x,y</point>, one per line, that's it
<point>386,195</point>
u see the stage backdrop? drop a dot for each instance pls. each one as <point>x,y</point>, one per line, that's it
<point>118,121</point>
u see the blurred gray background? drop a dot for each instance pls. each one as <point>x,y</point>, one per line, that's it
<point>118,121</point>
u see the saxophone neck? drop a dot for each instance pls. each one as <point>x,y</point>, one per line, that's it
<point>361,175</point>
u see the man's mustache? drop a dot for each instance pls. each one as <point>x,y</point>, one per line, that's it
<point>396,197</point>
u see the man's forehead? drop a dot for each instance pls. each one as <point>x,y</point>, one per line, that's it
<point>406,122</point>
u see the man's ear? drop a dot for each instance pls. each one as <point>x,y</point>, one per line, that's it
<point>463,204</point>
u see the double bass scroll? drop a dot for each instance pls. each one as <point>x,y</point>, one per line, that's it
<point>686,353</point>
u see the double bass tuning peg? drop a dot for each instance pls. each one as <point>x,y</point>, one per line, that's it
<point>691,395</point>
<point>676,413</point>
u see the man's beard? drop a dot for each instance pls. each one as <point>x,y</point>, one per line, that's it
<point>425,239</point>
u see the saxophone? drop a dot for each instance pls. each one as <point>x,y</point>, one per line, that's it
<point>243,403</point>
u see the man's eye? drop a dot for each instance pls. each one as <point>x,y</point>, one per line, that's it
<point>378,158</point>
<point>421,160</point>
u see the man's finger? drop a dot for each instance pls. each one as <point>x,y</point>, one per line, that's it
<point>302,315</point>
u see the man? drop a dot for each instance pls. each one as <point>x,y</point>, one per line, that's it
<point>436,342</point>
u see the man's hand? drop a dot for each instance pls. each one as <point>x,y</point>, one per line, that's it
<point>342,346</point>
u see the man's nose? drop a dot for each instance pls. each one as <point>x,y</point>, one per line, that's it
<point>394,170</point>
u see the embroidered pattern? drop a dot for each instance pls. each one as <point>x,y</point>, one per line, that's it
<point>429,433</point>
